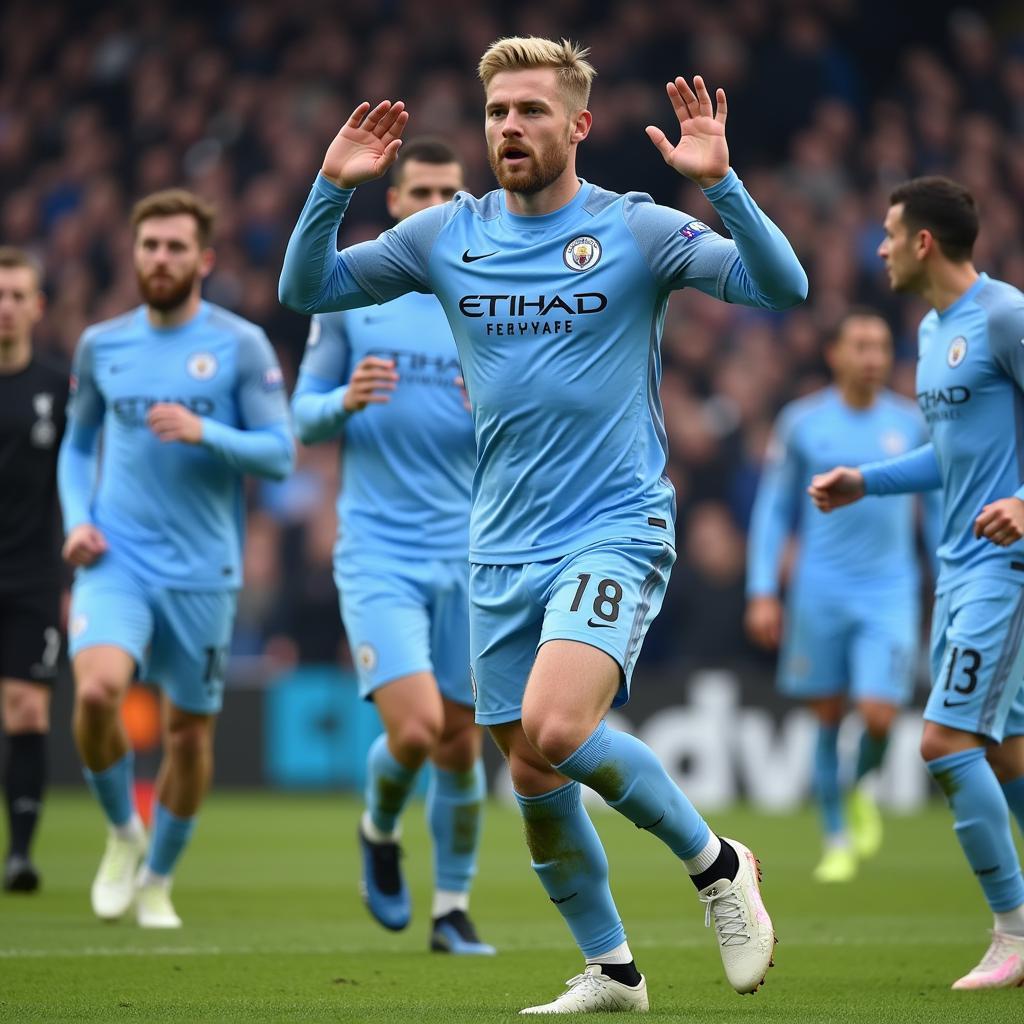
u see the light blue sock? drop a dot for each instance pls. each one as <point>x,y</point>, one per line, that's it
<point>826,779</point>
<point>870,753</point>
<point>631,779</point>
<point>571,864</point>
<point>388,785</point>
<point>454,810</point>
<point>113,788</point>
<point>170,837</point>
<point>982,825</point>
<point>1014,793</point>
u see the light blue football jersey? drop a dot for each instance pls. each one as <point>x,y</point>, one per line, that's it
<point>869,545</point>
<point>558,322</point>
<point>407,466</point>
<point>173,511</point>
<point>970,387</point>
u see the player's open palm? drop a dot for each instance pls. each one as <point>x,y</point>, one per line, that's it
<point>367,144</point>
<point>370,384</point>
<point>836,488</point>
<point>701,152</point>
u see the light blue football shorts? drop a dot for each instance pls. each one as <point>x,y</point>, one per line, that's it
<point>858,643</point>
<point>405,616</point>
<point>178,638</point>
<point>978,658</point>
<point>605,595</point>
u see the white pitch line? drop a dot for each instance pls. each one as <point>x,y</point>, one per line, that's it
<point>112,951</point>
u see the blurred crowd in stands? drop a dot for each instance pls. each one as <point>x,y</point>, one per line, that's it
<point>831,103</point>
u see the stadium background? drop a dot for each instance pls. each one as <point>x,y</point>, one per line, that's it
<point>830,104</point>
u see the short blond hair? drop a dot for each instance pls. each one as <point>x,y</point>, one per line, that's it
<point>172,201</point>
<point>568,59</point>
<point>17,259</point>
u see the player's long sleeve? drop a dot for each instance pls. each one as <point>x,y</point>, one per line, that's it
<point>78,459</point>
<point>767,273</point>
<point>262,444</point>
<point>917,470</point>
<point>317,409</point>
<point>314,277</point>
<point>76,473</point>
<point>773,515</point>
<point>267,451</point>
<point>317,403</point>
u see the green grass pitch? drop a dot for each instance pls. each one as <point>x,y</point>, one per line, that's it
<point>274,929</point>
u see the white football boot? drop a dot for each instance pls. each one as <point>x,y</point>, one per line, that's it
<point>153,907</point>
<point>1002,966</point>
<point>746,939</point>
<point>594,992</point>
<point>113,888</point>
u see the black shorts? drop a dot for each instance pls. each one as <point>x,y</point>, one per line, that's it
<point>30,637</point>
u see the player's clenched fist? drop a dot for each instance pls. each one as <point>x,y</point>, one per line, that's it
<point>84,545</point>
<point>763,621</point>
<point>173,422</point>
<point>370,383</point>
<point>836,488</point>
<point>1001,522</point>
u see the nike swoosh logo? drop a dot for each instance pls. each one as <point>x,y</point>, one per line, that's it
<point>653,824</point>
<point>564,899</point>
<point>599,625</point>
<point>118,367</point>
<point>987,871</point>
<point>466,258</point>
<point>947,703</point>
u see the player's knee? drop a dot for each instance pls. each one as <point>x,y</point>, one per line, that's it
<point>189,741</point>
<point>416,737</point>
<point>458,751</point>
<point>531,776</point>
<point>28,718</point>
<point>97,694</point>
<point>878,722</point>
<point>936,743</point>
<point>555,736</point>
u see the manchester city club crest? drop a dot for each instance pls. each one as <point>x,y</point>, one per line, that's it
<point>957,351</point>
<point>582,253</point>
<point>366,657</point>
<point>202,365</point>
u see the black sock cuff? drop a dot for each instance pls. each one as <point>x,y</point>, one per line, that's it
<point>727,865</point>
<point>26,742</point>
<point>624,974</point>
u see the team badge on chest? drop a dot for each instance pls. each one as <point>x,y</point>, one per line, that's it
<point>582,253</point>
<point>957,352</point>
<point>201,365</point>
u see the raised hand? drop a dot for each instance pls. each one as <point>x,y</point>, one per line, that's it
<point>836,488</point>
<point>367,144</point>
<point>370,383</point>
<point>701,152</point>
